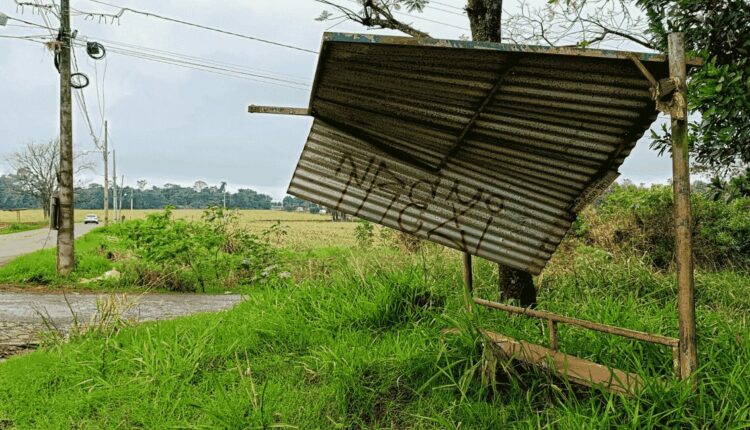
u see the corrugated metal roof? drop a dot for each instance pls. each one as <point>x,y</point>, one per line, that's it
<point>482,147</point>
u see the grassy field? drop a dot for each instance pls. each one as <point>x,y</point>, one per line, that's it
<point>15,227</point>
<point>36,215</point>
<point>297,230</point>
<point>359,345</point>
<point>352,336</point>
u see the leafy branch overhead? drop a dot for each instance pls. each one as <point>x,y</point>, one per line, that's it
<point>718,31</point>
<point>376,14</point>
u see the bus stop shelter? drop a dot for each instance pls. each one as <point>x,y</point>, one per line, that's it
<point>491,149</point>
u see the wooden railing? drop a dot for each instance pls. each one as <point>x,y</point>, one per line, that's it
<point>553,319</point>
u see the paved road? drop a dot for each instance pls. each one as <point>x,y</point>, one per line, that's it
<point>21,321</point>
<point>13,245</point>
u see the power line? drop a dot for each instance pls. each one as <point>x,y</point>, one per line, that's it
<point>32,23</point>
<point>447,11</point>
<point>429,20</point>
<point>30,38</point>
<point>201,26</point>
<point>209,68</point>
<point>80,97</point>
<point>199,59</point>
<point>447,5</point>
<point>410,16</point>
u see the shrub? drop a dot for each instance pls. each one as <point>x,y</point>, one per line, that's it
<point>636,219</point>
<point>181,255</point>
<point>364,233</point>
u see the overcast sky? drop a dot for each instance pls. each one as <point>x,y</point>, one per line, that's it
<point>178,125</point>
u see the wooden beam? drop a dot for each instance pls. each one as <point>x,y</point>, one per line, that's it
<point>572,368</point>
<point>507,68</point>
<point>278,110</point>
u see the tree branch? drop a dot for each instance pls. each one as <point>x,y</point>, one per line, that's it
<point>376,14</point>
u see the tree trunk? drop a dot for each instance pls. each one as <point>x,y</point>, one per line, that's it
<point>516,285</point>
<point>485,18</point>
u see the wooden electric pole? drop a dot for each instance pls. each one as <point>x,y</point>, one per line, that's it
<point>106,175</point>
<point>65,234</point>
<point>682,224</point>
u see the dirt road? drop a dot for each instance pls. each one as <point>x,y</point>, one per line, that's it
<point>21,320</point>
<point>13,245</point>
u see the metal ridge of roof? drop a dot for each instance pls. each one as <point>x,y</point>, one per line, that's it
<point>486,148</point>
<point>505,47</point>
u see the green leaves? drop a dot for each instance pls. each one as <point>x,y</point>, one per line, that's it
<point>720,90</point>
<point>212,252</point>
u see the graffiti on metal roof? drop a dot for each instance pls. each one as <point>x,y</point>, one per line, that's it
<point>479,147</point>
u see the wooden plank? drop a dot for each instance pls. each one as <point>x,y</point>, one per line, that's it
<point>575,369</point>
<point>278,110</point>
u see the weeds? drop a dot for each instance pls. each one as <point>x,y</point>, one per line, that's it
<point>365,347</point>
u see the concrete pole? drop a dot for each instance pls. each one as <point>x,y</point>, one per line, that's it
<point>683,234</point>
<point>106,176</point>
<point>122,189</point>
<point>65,235</point>
<point>114,183</point>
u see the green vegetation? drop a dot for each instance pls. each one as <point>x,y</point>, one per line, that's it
<point>18,227</point>
<point>361,347</point>
<point>38,268</point>
<point>159,252</point>
<point>633,220</point>
<point>355,336</point>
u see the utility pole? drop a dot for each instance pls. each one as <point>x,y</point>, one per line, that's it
<point>106,176</point>
<point>65,234</point>
<point>682,229</point>
<point>114,183</point>
<point>119,204</point>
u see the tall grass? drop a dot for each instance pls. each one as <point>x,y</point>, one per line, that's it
<point>363,347</point>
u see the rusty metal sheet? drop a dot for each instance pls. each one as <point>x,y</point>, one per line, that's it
<point>486,148</point>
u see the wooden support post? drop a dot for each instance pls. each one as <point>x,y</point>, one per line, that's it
<point>468,282</point>
<point>682,224</point>
<point>554,344</point>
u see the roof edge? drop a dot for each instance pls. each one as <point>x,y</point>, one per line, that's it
<point>504,47</point>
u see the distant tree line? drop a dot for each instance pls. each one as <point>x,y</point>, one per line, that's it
<point>291,203</point>
<point>11,197</point>
<point>92,196</point>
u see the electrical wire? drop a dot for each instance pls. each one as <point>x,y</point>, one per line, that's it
<point>447,5</point>
<point>81,98</point>
<point>30,38</point>
<point>198,59</point>
<point>201,26</point>
<point>408,15</point>
<point>189,61</point>
<point>31,23</point>
<point>211,69</point>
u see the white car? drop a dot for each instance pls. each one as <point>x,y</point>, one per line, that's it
<point>91,219</point>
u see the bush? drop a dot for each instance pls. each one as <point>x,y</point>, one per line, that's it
<point>635,219</point>
<point>364,233</point>
<point>181,255</point>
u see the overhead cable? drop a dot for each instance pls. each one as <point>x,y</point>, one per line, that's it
<point>201,26</point>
